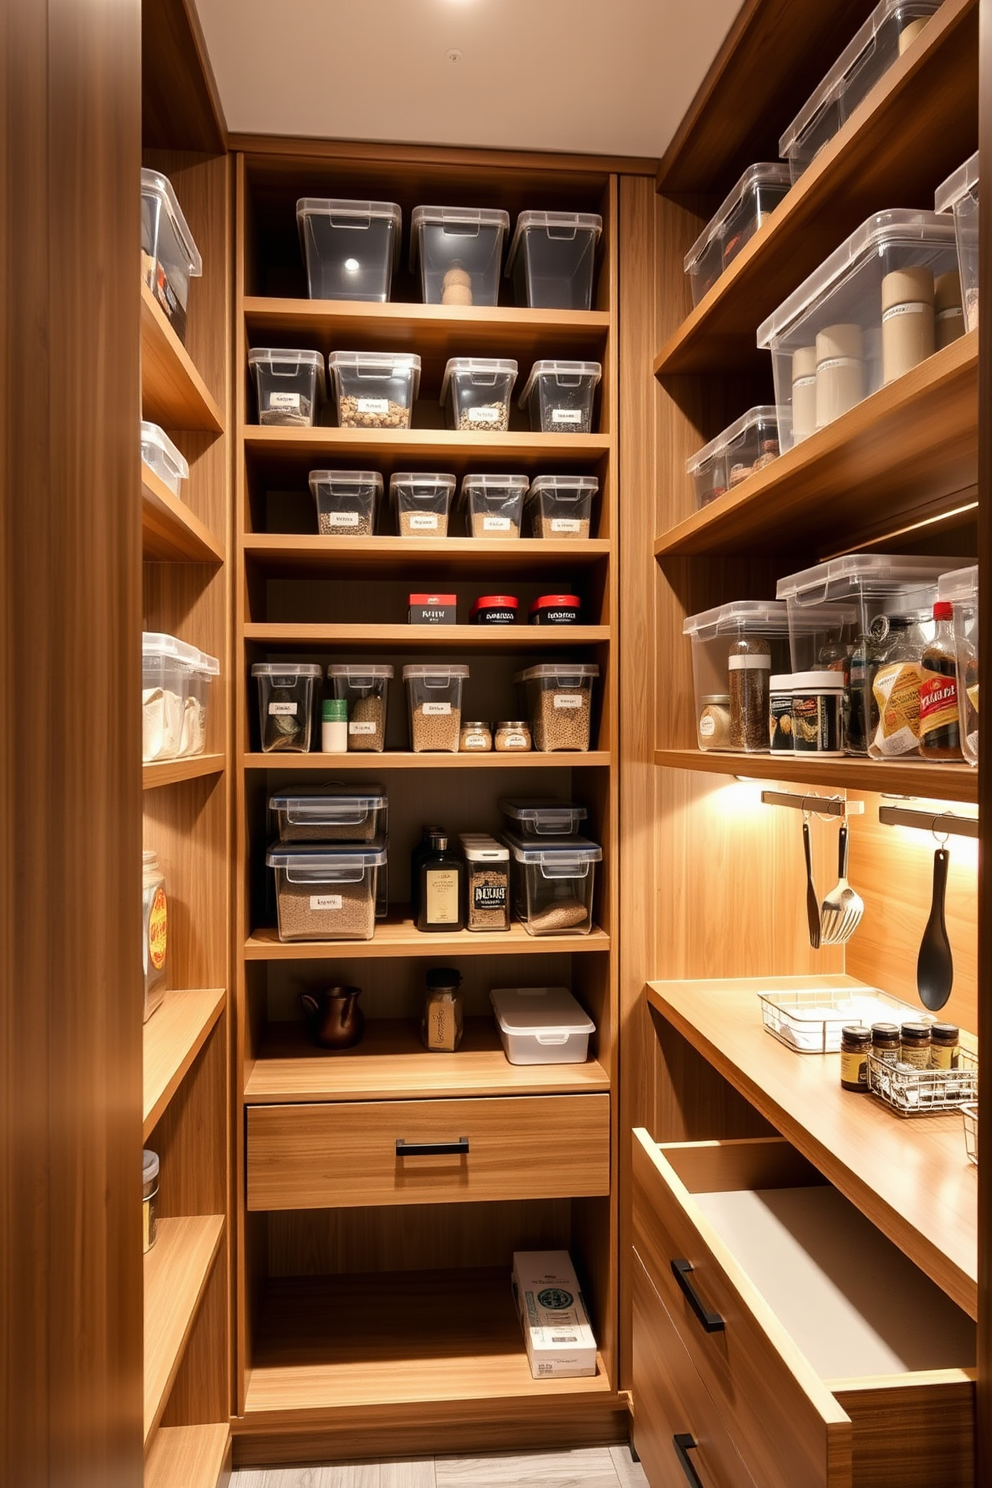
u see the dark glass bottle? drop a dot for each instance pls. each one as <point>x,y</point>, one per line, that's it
<point>420,852</point>
<point>940,728</point>
<point>441,889</point>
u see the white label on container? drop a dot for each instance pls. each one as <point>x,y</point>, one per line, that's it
<point>567,700</point>
<point>566,415</point>
<point>435,709</point>
<point>373,405</point>
<point>283,710</point>
<point>909,307</point>
<point>326,901</point>
<point>344,519</point>
<point>707,726</point>
<point>565,524</point>
<point>476,741</point>
<point>423,521</point>
<point>285,400</point>
<point>484,415</point>
<point>495,524</point>
<point>514,741</point>
<point>361,728</point>
<point>805,381</point>
<point>953,312</point>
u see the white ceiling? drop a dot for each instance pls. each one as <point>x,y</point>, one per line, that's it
<point>599,76</point>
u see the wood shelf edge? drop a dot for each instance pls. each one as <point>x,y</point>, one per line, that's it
<point>172,1038</point>
<point>188,1456</point>
<point>397,937</point>
<point>284,545</point>
<point>176,1272</point>
<point>171,772</point>
<point>170,530</point>
<point>265,309</point>
<point>911,778</point>
<point>399,759</point>
<point>488,636</point>
<point>259,437</point>
<point>173,391</point>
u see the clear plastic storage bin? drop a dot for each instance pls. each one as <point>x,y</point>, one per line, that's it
<point>346,501</point>
<point>863,319</point>
<point>422,503</point>
<point>289,386</point>
<point>365,688</point>
<point>164,679</point>
<point>169,256</point>
<point>960,588</point>
<point>494,505</point>
<point>351,248</point>
<point>286,695</point>
<point>541,1025</point>
<point>559,396</point>
<point>476,393</point>
<point>458,251</point>
<point>736,648</point>
<point>553,882</point>
<point>374,389</point>
<point>202,668</point>
<point>560,506</point>
<point>552,259</point>
<point>885,35</point>
<point>161,456</point>
<point>959,194</point>
<point>745,446</point>
<point>337,812</point>
<point>434,693</point>
<point>326,893</point>
<point>543,818</point>
<point>559,702</point>
<point>757,193</point>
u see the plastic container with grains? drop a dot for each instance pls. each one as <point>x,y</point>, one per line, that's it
<point>560,396</point>
<point>326,892</point>
<point>161,456</point>
<point>169,256</point>
<point>743,448</point>
<point>559,700</point>
<point>476,392</point>
<point>560,506</point>
<point>552,259</point>
<point>346,501</point>
<point>434,693</point>
<point>164,680</point>
<point>494,505</point>
<point>422,503</point>
<point>286,695</point>
<point>365,688</point>
<point>200,672</point>
<point>756,194</point>
<point>458,251</point>
<point>374,389</point>
<point>959,194</point>
<point>351,248</point>
<point>553,881</point>
<point>337,812</point>
<point>289,386</point>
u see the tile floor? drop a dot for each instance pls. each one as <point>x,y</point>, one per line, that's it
<point>586,1467</point>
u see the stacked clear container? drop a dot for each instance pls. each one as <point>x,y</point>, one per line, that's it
<point>458,251</point>
<point>364,686</point>
<point>755,196</point>
<point>374,389</point>
<point>336,812</point>
<point>330,860</point>
<point>544,816</point>
<point>494,505</point>
<point>202,668</point>
<point>960,588</point>
<point>346,501</point>
<point>169,256</point>
<point>560,506</point>
<point>736,648</point>
<point>289,385</point>
<point>351,248</point>
<point>476,393</point>
<point>959,194</point>
<point>422,503</point>
<point>553,882</point>
<point>161,456</point>
<point>559,396</point>
<point>552,259</point>
<point>745,446</point>
<point>559,697</point>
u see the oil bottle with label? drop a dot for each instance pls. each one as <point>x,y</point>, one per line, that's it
<point>440,890</point>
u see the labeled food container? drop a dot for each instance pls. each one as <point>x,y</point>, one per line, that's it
<point>164,679</point>
<point>552,259</point>
<point>365,688</point>
<point>735,649</point>
<point>458,251</point>
<point>960,588</point>
<point>422,503</point>
<point>434,693</point>
<point>346,501</point>
<point>351,248</point>
<point>959,194</point>
<point>494,609</point>
<point>155,930</point>
<point>494,505</point>
<point>161,456</point>
<point>432,609</point>
<point>487,884</point>
<point>885,35</point>
<point>553,882</point>
<point>201,669</point>
<point>476,736</point>
<point>374,389</point>
<point>745,446</point>
<point>336,812</point>
<point>555,609</point>
<point>541,1025</point>
<point>476,392</point>
<point>862,320</point>
<point>559,701</point>
<point>286,697</point>
<point>560,506</point>
<point>512,736</point>
<point>559,396</point>
<point>169,256</point>
<point>817,712</point>
<point>149,1199</point>
<point>543,817</point>
<point>755,196</point>
<point>326,893</point>
<point>289,386</point>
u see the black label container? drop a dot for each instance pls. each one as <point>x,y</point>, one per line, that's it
<point>494,609</point>
<point>432,609</point>
<point>555,609</point>
<point>817,712</point>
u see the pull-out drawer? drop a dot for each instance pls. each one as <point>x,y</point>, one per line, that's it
<point>360,1153</point>
<point>831,1357</point>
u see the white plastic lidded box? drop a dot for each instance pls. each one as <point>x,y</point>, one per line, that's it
<point>890,29</point>
<point>541,1025</point>
<point>289,385</point>
<point>861,320</point>
<point>169,256</point>
<point>374,389</point>
<point>959,194</point>
<point>754,197</point>
<point>459,251</point>
<point>559,396</point>
<point>744,447</point>
<point>960,588</point>
<point>351,248</point>
<point>161,456</point>
<point>477,392</point>
<point>736,648</point>
<point>552,259</point>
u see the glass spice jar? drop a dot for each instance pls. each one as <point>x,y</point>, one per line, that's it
<point>443,1021</point>
<point>713,728</point>
<point>855,1041</point>
<point>914,1045</point>
<point>945,1046</point>
<point>749,665</point>
<point>475,738</point>
<point>149,1198</point>
<point>885,1042</point>
<point>513,734</point>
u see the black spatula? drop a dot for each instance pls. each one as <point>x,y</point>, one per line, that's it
<point>935,967</point>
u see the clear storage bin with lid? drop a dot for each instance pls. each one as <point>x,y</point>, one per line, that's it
<point>164,679</point>
<point>326,892</point>
<point>346,501</point>
<point>560,506</point>
<point>364,686</point>
<point>960,589</point>
<point>494,505</point>
<point>863,319</point>
<point>286,695</point>
<point>552,259</point>
<point>959,194</point>
<point>458,251</point>
<point>337,812</point>
<point>374,389</point>
<point>890,29</point>
<point>434,693</point>
<point>422,503</point>
<point>169,256</point>
<point>476,393</point>
<point>735,649</point>
<point>202,668</point>
<point>155,930</point>
<point>542,817</point>
<point>559,396</point>
<point>553,881</point>
<point>541,1025</point>
<point>161,456</point>
<point>351,248</point>
<point>744,447</point>
<point>289,385</point>
<point>559,702</point>
<point>754,197</point>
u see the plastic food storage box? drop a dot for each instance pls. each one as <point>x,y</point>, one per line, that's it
<point>560,506</point>
<point>434,693</point>
<point>553,882</point>
<point>289,385</point>
<point>745,446</point>
<point>476,393</point>
<point>542,818</point>
<point>736,648</point>
<point>959,194</point>
<point>861,320</point>
<point>374,389</point>
<point>351,248</point>
<point>559,396</point>
<point>552,259</point>
<point>541,1025</point>
<point>326,893</point>
<point>885,35</point>
<point>494,505</point>
<point>559,704</point>
<point>961,589</point>
<point>459,251</point>
<point>202,668</point>
<point>169,256</point>
<point>346,501</point>
<point>337,812</point>
<point>161,456</point>
<point>365,688</point>
<point>286,695</point>
<point>164,679</point>
<point>422,502</point>
<point>757,193</point>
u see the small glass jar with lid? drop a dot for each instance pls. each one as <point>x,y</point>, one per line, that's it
<point>885,1042</point>
<point>443,1021</point>
<point>513,735</point>
<point>475,738</point>
<point>855,1042</point>
<point>149,1197</point>
<point>914,1045</point>
<point>945,1046</point>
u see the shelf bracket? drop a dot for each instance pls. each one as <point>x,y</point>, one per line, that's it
<point>820,805</point>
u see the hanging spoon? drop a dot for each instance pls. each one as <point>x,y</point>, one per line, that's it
<point>935,967</point>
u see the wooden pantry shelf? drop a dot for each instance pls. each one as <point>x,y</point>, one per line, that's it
<point>173,393</point>
<point>396,936</point>
<point>391,557</point>
<point>487,637</point>
<point>901,458</point>
<point>391,1063</point>
<point>170,772</point>
<point>177,1269</point>
<point>888,154</point>
<point>404,759</point>
<point>170,531</point>
<point>887,777</point>
<point>304,446</point>
<point>911,1178</point>
<point>172,1038</point>
<point>188,1457</point>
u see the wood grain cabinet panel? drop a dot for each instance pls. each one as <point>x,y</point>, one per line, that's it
<point>342,1155</point>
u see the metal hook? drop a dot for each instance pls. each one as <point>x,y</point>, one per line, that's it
<point>941,841</point>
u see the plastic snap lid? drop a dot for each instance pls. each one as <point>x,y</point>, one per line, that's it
<point>154,184</point>
<point>436,674</point>
<point>281,361</point>
<point>460,222</point>
<point>485,851</point>
<point>486,483</point>
<point>880,573</point>
<point>149,1166</point>
<point>349,478</point>
<point>152,434</point>
<point>580,484</point>
<point>316,856</point>
<point>355,671</point>
<point>536,1009</point>
<point>209,665</point>
<point>334,804</point>
<point>286,669</point>
<point>433,484</point>
<point>741,616</point>
<point>547,816</point>
<point>495,602</point>
<point>766,414</point>
<point>957,185</point>
<point>375,363</point>
<point>548,601</point>
<point>567,674</point>
<point>154,643</point>
<point>816,681</point>
<point>562,226</point>
<point>558,852</point>
<point>960,585</point>
<point>351,214</point>
<point>770,173</point>
<point>483,372</point>
<point>566,374</point>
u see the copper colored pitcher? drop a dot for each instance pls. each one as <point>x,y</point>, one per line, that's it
<point>333,1016</point>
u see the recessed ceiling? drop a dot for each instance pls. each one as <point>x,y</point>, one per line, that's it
<point>599,76</point>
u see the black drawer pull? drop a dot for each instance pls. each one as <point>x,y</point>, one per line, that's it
<point>711,1321</point>
<point>684,1444</point>
<point>431,1149</point>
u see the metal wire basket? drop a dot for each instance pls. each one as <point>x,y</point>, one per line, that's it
<point>924,1092</point>
<point>969,1115</point>
<point>810,1021</point>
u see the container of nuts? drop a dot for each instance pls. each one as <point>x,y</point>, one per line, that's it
<point>434,692</point>
<point>422,503</point>
<point>326,892</point>
<point>365,688</point>
<point>346,501</point>
<point>476,393</point>
<point>559,701</point>
<point>494,505</point>
<point>553,880</point>
<point>487,884</point>
<point>289,386</point>
<point>374,389</point>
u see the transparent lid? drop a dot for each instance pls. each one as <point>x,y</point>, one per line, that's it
<point>188,655</point>
<point>357,671</point>
<point>895,229</point>
<point>315,857</point>
<point>755,616</point>
<point>286,669</point>
<point>152,434</point>
<point>346,478</point>
<point>566,374</point>
<point>208,664</point>
<point>494,483</point>
<point>771,173</point>
<point>960,585</point>
<point>880,573</point>
<point>149,1166</point>
<point>375,363</point>
<point>154,643</point>
<point>561,225</point>
<point>337,804</point>
<point>568,673</point>
<point>957,185</point>
<point>433,484</point>
<point>765,414</point>
<point>534,1009</point>
<point>351,214</point>
<point>557,852</point>
<point>282,361</point>
<point>436,674</point>
<point>547,817</point>
<point>154,184</point>
<point>558,483</point>
<point>462,222</point>
<point>482,370</point>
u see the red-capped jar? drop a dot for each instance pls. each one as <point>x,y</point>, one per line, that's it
<point>494,609</point>
<point>555,609</point>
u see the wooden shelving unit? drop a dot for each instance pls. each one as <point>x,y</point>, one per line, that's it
<point>170,772</point>
<point>172,1040</point>
<point>483,450</point>
<point>173,393</point>
<point>177,1269</point>
<point>401,759</point>
<point>398,936</point>
<point>366,557</point>
<point>169,530</point>
<point>194,1456</point>
<point>909,778</point>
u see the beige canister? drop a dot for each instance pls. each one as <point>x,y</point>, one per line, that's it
<point>907,320</point>
<point>840,372</point>
<point>948,312</point>
<point>803,393</point>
